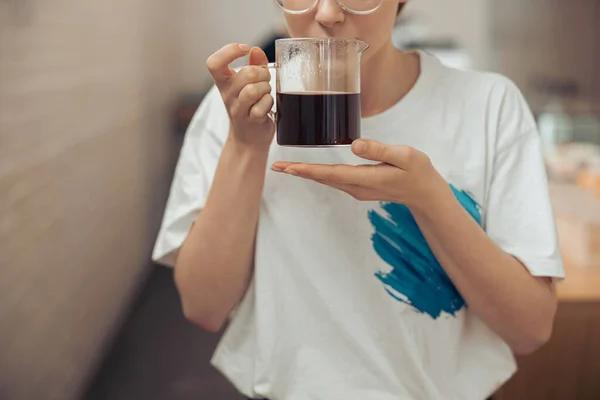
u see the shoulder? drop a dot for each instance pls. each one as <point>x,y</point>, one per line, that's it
<point>497,98</point>
<point>491,87</point>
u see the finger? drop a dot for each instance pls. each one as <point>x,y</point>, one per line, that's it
<point>261,109</point>
<point>256,71</point>
<point>257,57</point>
<point>339,174</point>
<point>365,176</point>
<point>377,151</point>
<point>282,165</point>
<point>252,93</point>
<point>218,63</point>
<point>247,76</point>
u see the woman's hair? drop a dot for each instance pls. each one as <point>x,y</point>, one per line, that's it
<point>400,7</point>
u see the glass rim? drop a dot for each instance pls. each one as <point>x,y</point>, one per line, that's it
<point>321,40</point>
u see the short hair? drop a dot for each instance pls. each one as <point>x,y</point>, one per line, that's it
<point>400,7</point>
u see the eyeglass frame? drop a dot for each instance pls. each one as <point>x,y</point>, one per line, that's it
<point>340,3</point>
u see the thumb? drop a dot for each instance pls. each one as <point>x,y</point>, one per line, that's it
<point>376,151</point>
<point>257,57</point>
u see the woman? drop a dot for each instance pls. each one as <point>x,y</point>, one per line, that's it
<point>411,267</point>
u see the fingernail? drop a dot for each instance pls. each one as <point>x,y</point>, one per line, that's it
<point>359,146</point>
<point>276,169</point>
<point>244,47</point>
<point>290,172</point>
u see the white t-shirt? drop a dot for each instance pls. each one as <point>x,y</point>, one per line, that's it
<point>347,300</point>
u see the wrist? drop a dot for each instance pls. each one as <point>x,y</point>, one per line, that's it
<point>243,159</point>
<point>436,198</point>
<point>251,140</point>
<point>247,150</point>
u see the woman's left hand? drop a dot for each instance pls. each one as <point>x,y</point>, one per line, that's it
<point>404,175</point>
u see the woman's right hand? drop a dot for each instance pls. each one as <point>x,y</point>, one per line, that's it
<point>246,93</point>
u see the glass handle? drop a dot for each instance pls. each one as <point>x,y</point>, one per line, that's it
<point>272,114</point>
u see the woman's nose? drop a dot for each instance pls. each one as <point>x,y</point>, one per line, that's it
<point>329,13</point>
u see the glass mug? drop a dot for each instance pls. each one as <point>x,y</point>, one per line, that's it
<point>318,91</point>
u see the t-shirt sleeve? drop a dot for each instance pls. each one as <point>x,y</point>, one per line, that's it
<point>194,173</point>
<point>519,215</point>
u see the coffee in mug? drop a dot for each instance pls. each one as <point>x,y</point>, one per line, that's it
<point>318,119</point>
<point>318,91</point>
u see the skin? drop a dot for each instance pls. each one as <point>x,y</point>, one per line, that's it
<point>520,308</point>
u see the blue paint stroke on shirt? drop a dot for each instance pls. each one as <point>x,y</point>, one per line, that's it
<point>416,278</point>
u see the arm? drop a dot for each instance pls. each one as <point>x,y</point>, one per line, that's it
<point>519,307</point>
<point>214,265</point>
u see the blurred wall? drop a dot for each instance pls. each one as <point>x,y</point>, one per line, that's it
<point>466,21</point>
<point>526,41</point>
<point>85,159</point>
<point>553,39</point>
<point>209,25</point>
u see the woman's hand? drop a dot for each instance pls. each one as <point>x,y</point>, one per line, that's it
<point>246,94</point>
<point>404,175</point>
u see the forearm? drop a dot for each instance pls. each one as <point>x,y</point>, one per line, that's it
<point>215,264</point>
<point>497,287</point>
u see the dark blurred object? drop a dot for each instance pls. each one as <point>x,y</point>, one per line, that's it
<point>158,355</point>
<point>185,110</point>
<point>269,46</point>
<point>432,44</point>
<point>552,86</point>
<point>564,113</point>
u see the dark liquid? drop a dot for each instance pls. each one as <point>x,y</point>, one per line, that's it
<point>317,119</point>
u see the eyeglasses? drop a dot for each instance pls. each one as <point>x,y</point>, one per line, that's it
<point>360,7</point>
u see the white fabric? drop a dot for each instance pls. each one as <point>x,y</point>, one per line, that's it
<point>316,323</point>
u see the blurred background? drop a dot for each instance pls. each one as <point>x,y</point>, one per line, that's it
<point>95,97</point>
